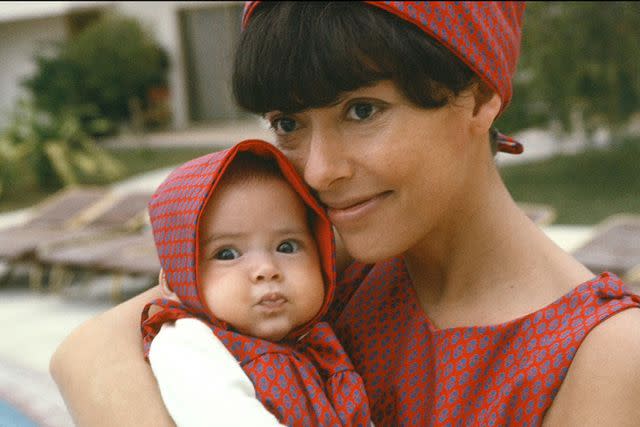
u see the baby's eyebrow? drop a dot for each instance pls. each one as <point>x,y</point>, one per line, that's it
<point>291,231</point>
<point>285,231</point>
<point>225,236</point>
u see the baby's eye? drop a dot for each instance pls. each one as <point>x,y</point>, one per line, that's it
<point>283,125</point>
<point>361,111</point>
<point>289,247</point>
<point>226,254</point>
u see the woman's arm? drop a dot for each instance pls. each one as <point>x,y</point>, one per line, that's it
<point>101,372</point>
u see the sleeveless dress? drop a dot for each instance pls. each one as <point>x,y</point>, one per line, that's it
<point>506,374</point>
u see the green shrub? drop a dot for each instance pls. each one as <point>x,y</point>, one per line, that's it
<point>99,73</point>
<point>11,157</point>
<point>54,149</point>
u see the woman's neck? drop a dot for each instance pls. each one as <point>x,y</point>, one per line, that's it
<point>488,263</point>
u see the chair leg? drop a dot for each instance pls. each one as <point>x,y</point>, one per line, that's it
<point>60,278</point>
<point>36,274</point>
<point>54,277</point>
<point>85,278</point>
<point>632,278</point>
<point>6,275</point>
<point>116,288</point>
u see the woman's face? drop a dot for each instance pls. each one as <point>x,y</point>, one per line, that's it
<point>388,171</point>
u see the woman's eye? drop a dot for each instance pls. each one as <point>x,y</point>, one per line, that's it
<point>226,254</point>
<point>283,125</point>
<point>361,111</point>
<point>288,247</point>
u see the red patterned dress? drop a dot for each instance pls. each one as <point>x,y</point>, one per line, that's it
<point>506,374</point>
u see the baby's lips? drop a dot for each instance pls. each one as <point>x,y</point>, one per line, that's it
<point>272,297</point>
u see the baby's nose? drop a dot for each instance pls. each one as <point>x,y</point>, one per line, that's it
<point>266,270</point>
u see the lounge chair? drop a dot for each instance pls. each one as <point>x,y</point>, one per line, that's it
<point>614,246</point>
<point>540,214</point>
<point>55,214</point>
<point>113,213</point>
<point>138,258</point>
<point>49,218</point>
<point>120,255</point>
<point>632,278</point>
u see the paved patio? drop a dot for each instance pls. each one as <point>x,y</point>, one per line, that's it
<point>34,326</point>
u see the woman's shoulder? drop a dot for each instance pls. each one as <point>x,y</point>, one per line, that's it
<point>615,320</point>
<point>603,382</point>
<point>591,337</point>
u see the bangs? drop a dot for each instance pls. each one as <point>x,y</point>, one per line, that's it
<point>295,56</point>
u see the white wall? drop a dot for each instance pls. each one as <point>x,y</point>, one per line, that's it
<point>162,19</point>
<point>18,43</point>
<point>19,40</point>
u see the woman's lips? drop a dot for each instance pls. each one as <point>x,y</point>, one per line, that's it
<point>347,212</point>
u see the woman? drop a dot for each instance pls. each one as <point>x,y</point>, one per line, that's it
<point>466,313</point>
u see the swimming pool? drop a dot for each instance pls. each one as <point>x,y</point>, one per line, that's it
<point>12,417</point>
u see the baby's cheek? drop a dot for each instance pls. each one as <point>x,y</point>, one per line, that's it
<point>220,303</point>
<point>313,304</point>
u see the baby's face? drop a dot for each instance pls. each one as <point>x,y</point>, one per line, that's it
<point>259,267</point>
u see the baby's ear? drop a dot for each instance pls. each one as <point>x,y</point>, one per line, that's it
<point>164,287</point>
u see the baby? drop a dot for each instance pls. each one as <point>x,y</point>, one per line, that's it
<point>247,256</point>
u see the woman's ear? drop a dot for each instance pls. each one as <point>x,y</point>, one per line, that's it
<point>487,108</point>
<point>164,287</point>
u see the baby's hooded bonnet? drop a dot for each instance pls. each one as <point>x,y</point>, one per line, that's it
<point>305,379</point>
<point>175,211</point>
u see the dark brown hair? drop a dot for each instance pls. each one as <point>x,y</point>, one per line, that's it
<point>248,167</point>
<point>299,55</point>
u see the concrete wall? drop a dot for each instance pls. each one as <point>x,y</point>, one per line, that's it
<point>162,18</point>
<point>19,41</point>
<point>20,38</point>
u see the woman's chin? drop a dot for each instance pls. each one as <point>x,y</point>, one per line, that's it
<point>369,251</point>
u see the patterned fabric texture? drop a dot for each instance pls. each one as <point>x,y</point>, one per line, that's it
<point>506,374</point>
<point>485,35</point>
<point>305,380</point>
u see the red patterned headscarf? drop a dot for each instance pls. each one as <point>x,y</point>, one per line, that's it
<point>485,35</point>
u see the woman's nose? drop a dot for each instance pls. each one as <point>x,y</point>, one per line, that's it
<point>326,161</point>
<point>265,270</point>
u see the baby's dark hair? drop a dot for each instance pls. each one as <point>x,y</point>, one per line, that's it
<point>248,167</point>
<point>300,55</point>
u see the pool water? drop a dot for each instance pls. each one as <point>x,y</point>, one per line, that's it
<point>11,417</point>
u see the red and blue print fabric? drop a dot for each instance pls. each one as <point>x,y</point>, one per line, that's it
<point>499,375</point>
<point>305,380</point>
